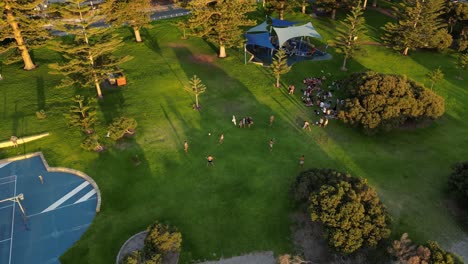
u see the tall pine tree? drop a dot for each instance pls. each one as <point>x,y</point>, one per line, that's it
<point>23,21</point>
<point>87,50</point>
<point>220,21</point>
<point>419,26</point>
<point>348,33</point>
<point>281,6</point>
<point>134,12</point>
<point>279,66</point>
<point>333,5</point>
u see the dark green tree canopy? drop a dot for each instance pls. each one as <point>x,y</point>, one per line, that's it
<point>347,206</point>
<point>377,101</point>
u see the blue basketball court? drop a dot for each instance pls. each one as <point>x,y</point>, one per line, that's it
<point>57,211</point>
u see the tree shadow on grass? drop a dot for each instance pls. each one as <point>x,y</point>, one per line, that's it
<point>113,104</point>
<point>238,165</point>
<point>126,183</point>
<point>41,99</point>
<point>212,46</point>
<point>150,41</point>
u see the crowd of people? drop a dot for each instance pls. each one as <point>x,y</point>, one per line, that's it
<point>313,95</point>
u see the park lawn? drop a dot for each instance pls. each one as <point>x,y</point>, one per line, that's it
<point>242,204</point>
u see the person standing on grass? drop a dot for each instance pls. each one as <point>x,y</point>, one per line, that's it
<point>272,119</point>
<point>325,124</point>
<point>186,146</point>
<point>210,160</point>
<point>234,120</point>
<point>221,139</point>
<point>271,142</point>
<point>14,140</point>
<point>306,125</point>
<point>301,161</point>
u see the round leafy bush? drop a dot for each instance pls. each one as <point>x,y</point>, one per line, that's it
<point>161,239</point>
<point>346,206</point>
<point>377,101</point>
<point>121,126</point>
<point>440,256</point>
<point>91,143</point>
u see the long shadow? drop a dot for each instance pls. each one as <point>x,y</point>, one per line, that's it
<point>169,120</point>
<point>212,46</point>
<point>41,99</point>
<point>150,40</point>
<point>18,119</point>
<point>126,183</point>
<point>227,96</point>
<point>113,105</point>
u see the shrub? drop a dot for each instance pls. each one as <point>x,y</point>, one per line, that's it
<point>82,113</point>
<point>377,101</point>
<point>406,252</point>
<point>121,126</point>
<point>91,143</point>
<point>440,256</point>
<point>41,114</point>
<point>347,206</point>
<point>161,239</point>
<point>458,182</point>
<point>132,258</point>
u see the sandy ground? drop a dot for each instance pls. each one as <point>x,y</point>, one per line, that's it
<point>461,248</point>
<point>265,257</point>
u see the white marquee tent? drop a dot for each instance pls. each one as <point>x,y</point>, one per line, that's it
<point>284,34</point>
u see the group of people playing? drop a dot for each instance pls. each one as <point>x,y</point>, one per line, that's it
<point>313,94</point>
<point>243,121</point>
<point>246,121</point>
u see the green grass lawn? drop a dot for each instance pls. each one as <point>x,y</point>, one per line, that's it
<point>242,204</point>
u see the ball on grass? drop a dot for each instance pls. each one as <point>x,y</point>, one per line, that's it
<point>209,134</point>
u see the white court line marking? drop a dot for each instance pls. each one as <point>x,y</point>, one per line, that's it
<point>6,206</point>
<point>7,182</point>
<point>29,216</point>
<point>12,224</point>
<point>66,197</point>
<point>4,164</point>
<point>86,196</point>
<point>5,240</point>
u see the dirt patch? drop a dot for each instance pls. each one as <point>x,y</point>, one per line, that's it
<point>387,12</point>
<point>137,242</point>
<point>177,45</point>
<point>371,43</point>
<point>461,248</point>
<point>123,145</point>
<point>265,257</point>
<point>308,239</point>
<point>310,243</point>
<point>203,58</point>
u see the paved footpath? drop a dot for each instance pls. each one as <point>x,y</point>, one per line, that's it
<point>265,257</point>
